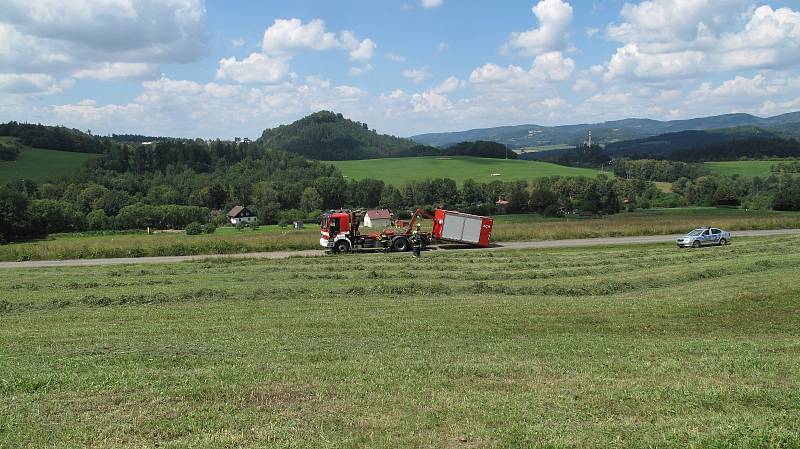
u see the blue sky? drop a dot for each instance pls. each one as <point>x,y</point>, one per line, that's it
<point>210,69</point>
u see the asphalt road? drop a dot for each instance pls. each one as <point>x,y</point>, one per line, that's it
<point>316,253</point>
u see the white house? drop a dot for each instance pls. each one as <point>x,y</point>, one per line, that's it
<point>380,218</point>
<point>241,214</point>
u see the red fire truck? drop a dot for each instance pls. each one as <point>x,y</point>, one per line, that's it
<point>339,231</point>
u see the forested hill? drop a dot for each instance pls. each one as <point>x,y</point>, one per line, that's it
<point>54,137</point>
<point>325,135</point>
<point>666,144</point>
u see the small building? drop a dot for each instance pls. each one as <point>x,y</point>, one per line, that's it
<point>241,214</point>
<point>298,224</point>
<point>379,218</point>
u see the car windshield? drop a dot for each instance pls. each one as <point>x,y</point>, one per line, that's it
<point>695,233</point>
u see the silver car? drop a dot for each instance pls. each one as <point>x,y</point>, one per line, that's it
<point>704,237</point>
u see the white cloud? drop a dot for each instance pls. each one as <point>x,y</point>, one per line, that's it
<point>238,42</point>
<point>118,70</point>
<point>345,91</point>
<point>449,85</point>
<point>32,83</point>
<point>591,31</point>
<point>547,67</point>
<point>553,66</point>
<point>442,47</point>
<point>256,68</point>
<point>431,3</point>
<point>56,37</point>
<point>358,71</point>
<point>282,41</point>
<point>364,50</point>
<point>673,39</point>
<point>417,75</point>
<point>429,101</point>
<point>554,18</point>
<point>291,35</point>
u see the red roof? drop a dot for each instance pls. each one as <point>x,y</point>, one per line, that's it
<point>379,214</point>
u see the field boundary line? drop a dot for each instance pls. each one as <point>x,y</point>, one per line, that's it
<point>531,244</point>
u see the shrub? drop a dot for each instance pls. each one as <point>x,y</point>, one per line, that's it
<point>194,228</point>
<point>551,211</point>
<point>210,228</point>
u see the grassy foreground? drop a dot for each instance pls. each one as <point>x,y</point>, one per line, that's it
<point>41,165</point>
<point>507,228</point>
<point>644,346</point>
<point>397,171</point>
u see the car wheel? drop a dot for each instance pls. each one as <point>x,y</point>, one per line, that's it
<point>342,246</point>
<point>696,244</point>
<point>723,242</point>
<point>400,245</point>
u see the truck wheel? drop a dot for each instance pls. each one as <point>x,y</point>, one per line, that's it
<point>696,244</point>
<point>723,242</point>
<point>400,245</point>
<point>342,246</point>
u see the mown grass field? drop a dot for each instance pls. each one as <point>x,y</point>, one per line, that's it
<point>397,171</point>
<point>38,164</point>
<point>744,168</point>
<point>228,240</point>
<point>639,346</point>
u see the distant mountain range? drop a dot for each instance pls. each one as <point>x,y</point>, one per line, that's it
<point>522,136</point>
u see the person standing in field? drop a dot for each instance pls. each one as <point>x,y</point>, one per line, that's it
<point>416,242</point>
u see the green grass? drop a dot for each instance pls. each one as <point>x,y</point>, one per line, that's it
<point>39,165</point>
<point>645,346</point>
<point>744,168</point>
<point>397,171</point>
<point>228,240</point>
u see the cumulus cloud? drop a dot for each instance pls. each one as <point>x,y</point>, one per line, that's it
<point>554,18</point>
<point>256,68</point>
<point>547,67</point>
<point>282,41</point>
<point>363,51</point>
<point>291,35</point>
<point>672,39</point>
<point>55,37</point>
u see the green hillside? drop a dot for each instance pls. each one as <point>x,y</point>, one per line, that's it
<point>38,164</point>
<point>326,135</point>
<point>399,170</point>
<point>745,168</point>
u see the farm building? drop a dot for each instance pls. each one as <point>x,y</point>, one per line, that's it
<point>379,218</point>
<point>241,214</point>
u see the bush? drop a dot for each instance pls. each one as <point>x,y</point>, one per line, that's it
<point>194,228</point>
<point>210,228</point>
<point>551,211</point>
